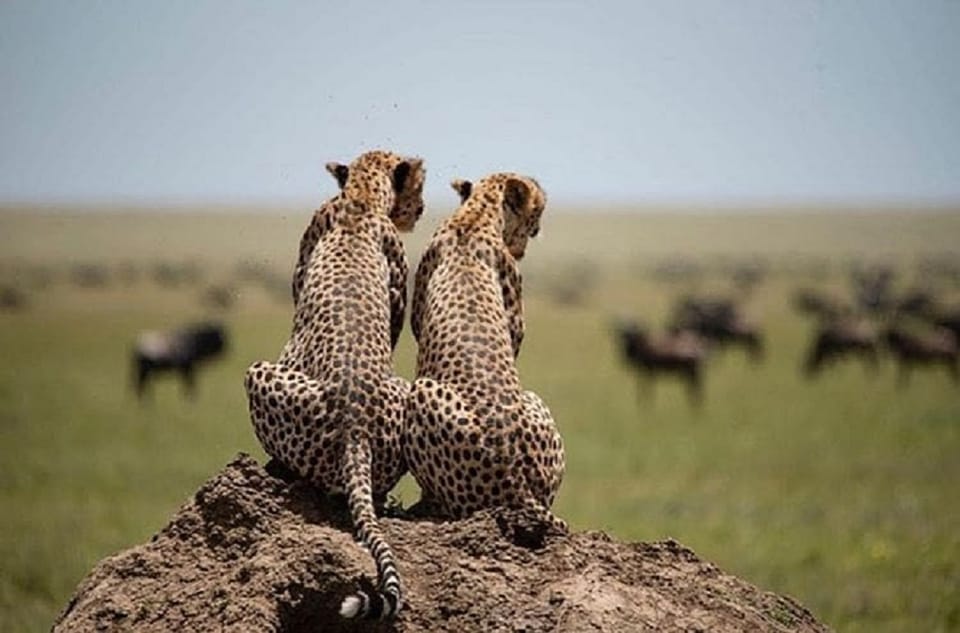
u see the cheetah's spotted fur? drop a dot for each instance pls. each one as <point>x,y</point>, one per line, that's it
<point>475,439</point>
<point>330,408</point>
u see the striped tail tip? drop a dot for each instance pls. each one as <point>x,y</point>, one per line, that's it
<point>352,606</point>
<point>369,604</point>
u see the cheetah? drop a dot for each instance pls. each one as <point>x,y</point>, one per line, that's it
<point>475,439</point>
<point>330,409</point>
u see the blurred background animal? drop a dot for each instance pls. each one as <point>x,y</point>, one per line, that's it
<point>179,351</point>
<point>12,299</point>
<point>911,349</point>
<point>720,321</point>
<point>948,319</point>
<point>841,338</point>
<point>680,353</point>
<point>820,304</point>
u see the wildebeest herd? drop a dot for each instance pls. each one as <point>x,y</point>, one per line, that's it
<point>21,282</point>
<point>697,326</point>
<point>914,328</point>
<point>866,322</point>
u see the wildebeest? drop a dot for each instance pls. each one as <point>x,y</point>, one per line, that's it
<point>918,302</point>
<point>942,266</point>
<point>949,319</point>
<point>746,275</point>
<point>180,351</point>
<point>12,299</point>
<point>820,304</point>
<point>837,339</point>
<point>572,286</point>
<point>221,297</point>
<point>911,349</point>
<point>680,353</point>
<point>89,275</point>
<point>174,274</point>
<point>719,321</point>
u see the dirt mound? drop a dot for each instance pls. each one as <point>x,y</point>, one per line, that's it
<point>254,552</point>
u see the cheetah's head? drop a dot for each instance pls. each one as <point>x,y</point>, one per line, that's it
<point>406,177</point>
<point>523,201</point>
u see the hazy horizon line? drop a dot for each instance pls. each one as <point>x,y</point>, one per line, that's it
<point>270,205</point>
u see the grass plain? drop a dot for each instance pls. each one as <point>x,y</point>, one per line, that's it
<point>841,492</point>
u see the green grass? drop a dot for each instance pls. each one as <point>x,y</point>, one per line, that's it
<point>840,492</point>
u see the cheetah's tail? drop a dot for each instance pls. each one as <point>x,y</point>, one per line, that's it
<point>546,515</point>
<point>369,602</point>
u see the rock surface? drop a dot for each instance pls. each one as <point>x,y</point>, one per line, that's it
<point>254,552</point>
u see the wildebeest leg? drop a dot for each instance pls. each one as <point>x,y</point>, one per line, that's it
<point>644,386</point>
<point>814,360</point>
<point>903,372</point>
<point>694,386</point>
<point>871,363</point>
<point>141,371</point>
<point>189,381</point>
<point>954,368</point>
<point>755,347</point>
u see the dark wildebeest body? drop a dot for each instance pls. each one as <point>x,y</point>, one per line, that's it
<point>950,320</point>
<point>719,321</point>
<point>916,302</point>
<point>912,349</point>
<point>840,339</point>
<point>681,353</point>
<point>820,304</point>
<point>12,299</point>
<point>179,351</point>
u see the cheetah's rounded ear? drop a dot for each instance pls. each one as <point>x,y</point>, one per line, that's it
<point>516,195</point>
<point>400,174</point>
<point>403,171</point>
<point>462,187</point>
<point>340,172</point>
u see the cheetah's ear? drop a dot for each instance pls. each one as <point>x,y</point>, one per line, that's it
<point>462,187</point>
<point>403,171</point>
<point>340,172</point>
<point>516,195</point>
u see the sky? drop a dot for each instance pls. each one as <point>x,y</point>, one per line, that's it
<point>615,102</point>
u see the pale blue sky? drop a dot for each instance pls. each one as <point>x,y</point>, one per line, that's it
<point>610,101</point>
